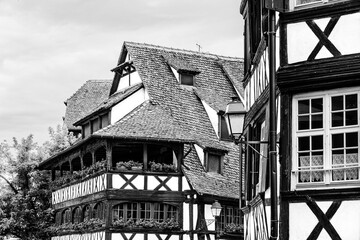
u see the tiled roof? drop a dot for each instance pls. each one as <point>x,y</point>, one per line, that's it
<point>148,121</point>
<point>163,87</point>
<point>91,94</point>
<point>179,63</point>
<point>175,112</point>
<point>214,85</point>
<point>225,184</point>
<point>111,101</point>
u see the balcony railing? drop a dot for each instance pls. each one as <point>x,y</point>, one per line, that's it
<point>117,179</point>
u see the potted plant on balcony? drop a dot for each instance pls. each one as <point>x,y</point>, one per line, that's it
<point>135,165</point>
<point>122,165</point>
<point>169,167</point>
<point>156,167</point>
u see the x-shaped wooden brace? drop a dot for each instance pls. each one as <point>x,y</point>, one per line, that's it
<point>162,183</point>
<point>128,181</point>
<point>324,219</point>
<point>130,238</point>
<point>159,237</point>
<point>323,38</point>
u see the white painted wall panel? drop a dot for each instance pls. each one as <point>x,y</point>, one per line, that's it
<point>127,105</point>
<point>213,116</point>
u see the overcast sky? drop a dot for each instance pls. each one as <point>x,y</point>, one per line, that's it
<point>49,48</point>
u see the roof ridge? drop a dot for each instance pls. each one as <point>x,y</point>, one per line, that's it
<point>203,54</point>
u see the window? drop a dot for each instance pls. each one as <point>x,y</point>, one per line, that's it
<point>229,215</point>
<point>186,79</point>
<point>223,130</point>
<point>326,138</point>
<point>303,2</point>
<point>86,213</point>
<point>145,210</point>
<point>76,217</point>
<point>99,210</point>
<point>213,162</point>
<point>66,216</point>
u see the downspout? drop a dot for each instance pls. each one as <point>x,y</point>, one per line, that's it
<point>273,152</point>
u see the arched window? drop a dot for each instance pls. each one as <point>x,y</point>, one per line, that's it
<point>100,154</point>
<point>76,164</point>
<point>76,216</point>
<point>86,213</point>
<point>66,216</point>
<point>98,211</point>
<point>87,160</point>
<point>145,210</point>
<point>58,217</point>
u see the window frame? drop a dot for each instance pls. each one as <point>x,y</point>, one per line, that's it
<point>316,3</point>
<point>327,131</point>
<point>221,161</point>
<point>164,210</point>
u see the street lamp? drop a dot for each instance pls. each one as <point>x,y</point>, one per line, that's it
<point>234,117</point>
<point>216,211</point>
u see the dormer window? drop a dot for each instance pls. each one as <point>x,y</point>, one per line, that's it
<point>183,70</point>
<point>186,79</point>
<point>213,162</point>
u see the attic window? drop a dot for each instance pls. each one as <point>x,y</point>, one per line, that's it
<point>213,162</point>
<point>186,79</point>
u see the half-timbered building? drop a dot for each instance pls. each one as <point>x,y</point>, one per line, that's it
<point>317,96</point>
<point>155,153</point>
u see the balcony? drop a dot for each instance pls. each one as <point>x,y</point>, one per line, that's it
<point>125,176</point>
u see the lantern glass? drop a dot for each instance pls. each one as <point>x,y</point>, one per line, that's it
<point>234,116</point>
<point>216,209</point>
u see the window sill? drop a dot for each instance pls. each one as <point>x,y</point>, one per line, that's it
<point>333,185</point>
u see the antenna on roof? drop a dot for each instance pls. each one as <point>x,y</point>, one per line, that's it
<point>199,47</point>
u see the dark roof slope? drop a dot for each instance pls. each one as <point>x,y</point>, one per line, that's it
<point>110,102</point>
<point>164,89</point>
<point>91,94</point>
<point>147,122</point>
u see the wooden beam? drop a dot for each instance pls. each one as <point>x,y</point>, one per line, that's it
<point>329,27</point>
<point>329,214</point>
<point>323,219</point>
<point>323,38</point>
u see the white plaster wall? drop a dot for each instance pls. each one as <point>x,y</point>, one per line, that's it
<point>208,215</point>
<point>346,220</point>
<point>127,105</point>
<point>345,36</point>
<point>132,78</point>
<point>186,214</point>
<point>200,153</point>
<point>185,184</point>
<point>213,116</point>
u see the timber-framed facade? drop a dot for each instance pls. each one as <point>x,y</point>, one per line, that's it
<point>318,119</point>
<point>154,153</point>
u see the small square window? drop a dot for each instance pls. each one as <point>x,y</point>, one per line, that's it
<point>186,79</point>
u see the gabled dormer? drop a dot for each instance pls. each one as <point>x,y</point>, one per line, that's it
<point>183,70</point>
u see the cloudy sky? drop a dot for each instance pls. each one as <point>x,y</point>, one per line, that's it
<point>49,48</point>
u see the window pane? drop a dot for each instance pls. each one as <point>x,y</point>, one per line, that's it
<point>337,103</point>
<point>316,105</point>
<point>213,163</point>
<point>303,106</point>
<point>300,2</point>
<point>304,143</point>
<point>317,142</point>
<point>337,119</point>
<point>338,140</point>
<point>351,101</point>
<point>351,118</point>
<point>304,122</point>
<point>317,121</point>
<point>352,139</point>
<point>186,79</point>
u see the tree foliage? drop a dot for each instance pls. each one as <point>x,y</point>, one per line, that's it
<point>25,207</point>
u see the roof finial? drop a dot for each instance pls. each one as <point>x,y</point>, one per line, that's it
<point>199,47</point>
